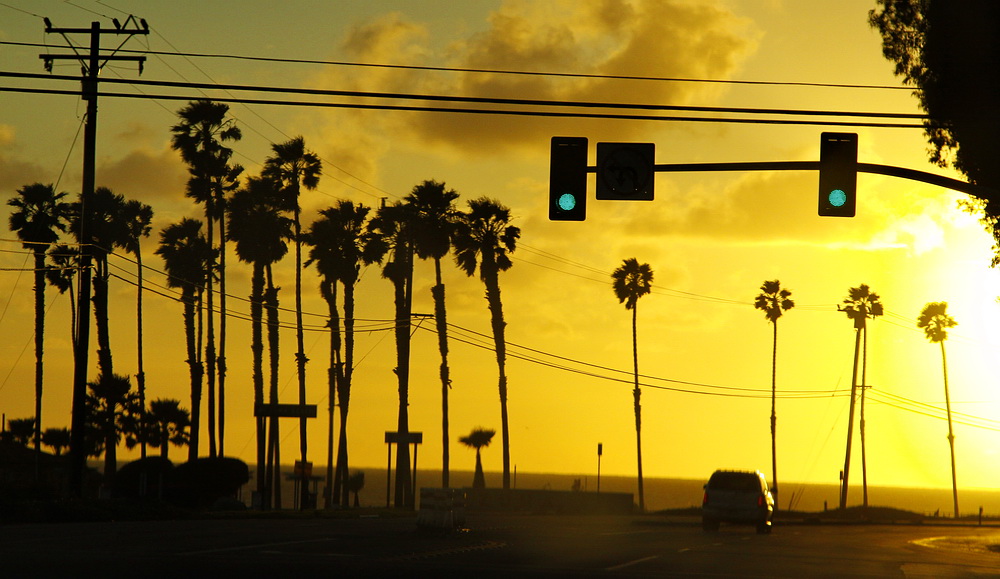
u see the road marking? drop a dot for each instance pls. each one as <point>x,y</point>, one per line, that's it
<point>630,563</point>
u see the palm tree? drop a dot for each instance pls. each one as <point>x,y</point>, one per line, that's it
<point>935,322</point>
<point>39,215</point>
<point>199,138</point>
<point>138,217</point>
<point>774,300</point>
<point>630,282</point>
<point>56,438</point>
<point>21,430</point>
<point>355,483</point>
<point>339,241</point>
<point>167,423</point>
<point>484,236</point>
<point>259,230</point>
<point>478,439</point>
<point>187,255</point>
<point>65,264</point>
<point>860,304</point>
<point>391,232</point>
<point>115,412</point>
<point>291,168</point>
<point>434,224</point>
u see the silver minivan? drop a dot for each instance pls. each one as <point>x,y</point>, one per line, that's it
<point>739,497</point>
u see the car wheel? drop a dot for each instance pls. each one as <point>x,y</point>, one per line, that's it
<point>764,528</point>
<point>709,525</point>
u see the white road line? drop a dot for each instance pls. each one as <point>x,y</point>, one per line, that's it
<point>630,563</point>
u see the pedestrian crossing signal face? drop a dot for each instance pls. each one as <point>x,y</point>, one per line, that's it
<point>568,179</point>
<point>838,174</point>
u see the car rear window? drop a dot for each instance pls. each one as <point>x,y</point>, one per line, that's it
<point>734,481</point>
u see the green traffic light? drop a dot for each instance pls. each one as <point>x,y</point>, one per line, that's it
<point>837,198</point>
<point>567,201</point>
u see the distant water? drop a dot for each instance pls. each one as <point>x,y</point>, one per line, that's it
<point>669,493</point>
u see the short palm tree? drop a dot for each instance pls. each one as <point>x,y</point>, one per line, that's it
<point>485,238</point>
<point>935,321</point>
<point>774,300</point>
<point>188,256</point>
<point>338,242</point>
<point>260,231</point>
<point>630,282</point>
<point>434,225</point>
<point>21,430</point>
<point>57,439</point>
<point>355,483</point>
<point>39,215</point>
<point>168,424</point>
<point>292,168</point>
<point>114,413</point>
<point>478,439</point>
<point>860,304</point>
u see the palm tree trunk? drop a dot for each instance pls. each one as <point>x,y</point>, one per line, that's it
<point>329,291</point>
<point>300,355</point>
<point>442,331</point>
<point>850,420</point>
<point>210,344</point>
<point>194,368</point>
<point>403,295</point>
<point>636,394</point>
<point>274,455</point>
<point>257,349</point>
<point>344,393</point>
<point>492,281</point>
<point>861,422</point>
<point>140,376</point>
<point>39,349</point>
<point>104,361</point>
<point>221,362</point>
<point>774,414</point>
<point>951,434</point>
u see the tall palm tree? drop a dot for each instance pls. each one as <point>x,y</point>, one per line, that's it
<point>434,224</point>
<point>390,231</point>
<point>138,217</point>
<point>935,321</point>
<point>774,300</point>
<point>39,215</point>
<point>199,137</point>
<point>479,438</point>
<point>338,242</point>
<point>630,282</point>
<point>291,168</point>
<point>168,424</point>
<point>188,255</point>
<point>259,230</point>
<point>860,304</point>
<point>65,264</point>
<point>485,237</point>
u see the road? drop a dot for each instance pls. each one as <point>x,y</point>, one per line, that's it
<point>493,546</point>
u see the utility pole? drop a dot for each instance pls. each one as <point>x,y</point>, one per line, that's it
<point>91,65</point>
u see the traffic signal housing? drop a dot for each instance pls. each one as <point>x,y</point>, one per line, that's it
<point>568,179</point>
<point>838,174</point>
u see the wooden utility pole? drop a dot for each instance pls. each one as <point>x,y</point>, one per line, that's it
<point>91,65</point>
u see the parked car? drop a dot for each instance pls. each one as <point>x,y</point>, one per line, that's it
<point>739,497</point>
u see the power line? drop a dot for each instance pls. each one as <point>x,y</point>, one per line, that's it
<point>493,71</point>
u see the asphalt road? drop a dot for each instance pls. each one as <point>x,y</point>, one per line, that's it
<point>493,546</point>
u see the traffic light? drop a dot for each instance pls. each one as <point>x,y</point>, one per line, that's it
<point>568,179</point>
<point>838,174</point>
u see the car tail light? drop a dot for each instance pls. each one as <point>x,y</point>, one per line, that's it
<point>704,500</point>
<point>760,501</point>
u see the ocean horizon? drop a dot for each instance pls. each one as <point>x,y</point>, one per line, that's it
<point>665,493</point>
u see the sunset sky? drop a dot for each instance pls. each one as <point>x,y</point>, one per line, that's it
<point>711,239</point>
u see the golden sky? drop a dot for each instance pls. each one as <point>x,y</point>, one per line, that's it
<point>710,238</point>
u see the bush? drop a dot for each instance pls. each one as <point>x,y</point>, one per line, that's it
<point>202,482</point>
<point>142,479</point>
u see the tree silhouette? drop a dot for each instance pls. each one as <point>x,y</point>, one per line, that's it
<point>434,225</point>
<point>138,217</point>
<point>860,304</point>
<point>290,168</point>
<point>39,215</point>
<point>774,301</point>
<point>259,230</point>
<point>167,423</point>
<point>630,282</point>
<point>188,256</point>
<point>950,53</point>
<point>478,439</point>
<point>485,238</point>
<point>57,439</point>
<point>935,321</point>
<point>199,138</point>
<point>114,413</point>
<point>355,483</point>
<point>21,430</point>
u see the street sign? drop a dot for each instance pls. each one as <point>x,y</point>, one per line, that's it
<point>285,410</point>
<point>404,437</point>
<point>625,171</point>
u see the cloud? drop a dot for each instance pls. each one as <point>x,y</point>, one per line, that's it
<point>145,175</point>
<point>613,37</point>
